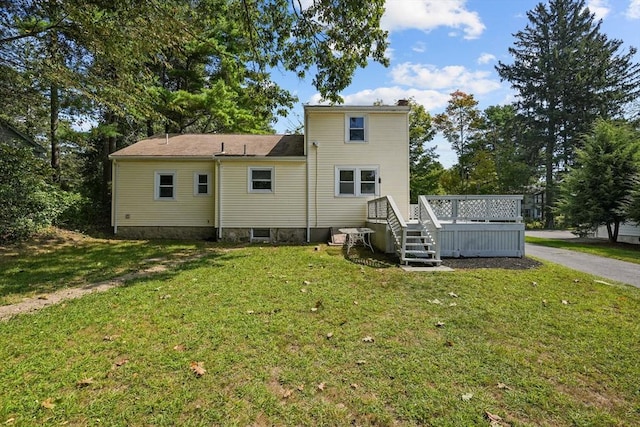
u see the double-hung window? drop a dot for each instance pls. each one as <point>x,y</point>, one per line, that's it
<point>165,185</point>
<point>202,183</point>
<point>357,181</point>
<point>356,130</point>
<point>261,180</point>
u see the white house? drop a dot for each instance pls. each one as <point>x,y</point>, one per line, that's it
<point>280,188</point>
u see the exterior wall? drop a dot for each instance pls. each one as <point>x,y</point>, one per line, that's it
<point>284,207</point>
<point>134,203</point>
<point>387,148</point>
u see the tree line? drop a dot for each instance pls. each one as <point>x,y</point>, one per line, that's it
<point>85,78</point>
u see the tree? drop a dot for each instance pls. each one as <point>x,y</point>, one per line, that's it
<point>460,123</point>
<point>566,74</point>
<point>424,168</point>
<point>597,190</point>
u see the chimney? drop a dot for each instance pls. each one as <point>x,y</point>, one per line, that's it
<point>402,103</point>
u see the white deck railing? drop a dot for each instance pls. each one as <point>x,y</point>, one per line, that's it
<point>429,220</point>
<point>473,208</point>
<point>385,209</point>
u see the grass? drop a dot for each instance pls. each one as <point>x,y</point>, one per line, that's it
<point>59,259</point>
<point>304,336</point>
<point>620,251</point>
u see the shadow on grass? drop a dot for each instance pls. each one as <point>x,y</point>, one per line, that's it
<point>365,257</point>
<point>29,270</point>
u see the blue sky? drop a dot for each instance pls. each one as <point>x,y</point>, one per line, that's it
<point>439,46</point>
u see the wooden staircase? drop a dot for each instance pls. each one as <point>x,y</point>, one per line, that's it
<point>418,246</point>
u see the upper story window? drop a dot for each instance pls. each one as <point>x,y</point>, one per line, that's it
<point>202,183</point>
<point>356,181</point>
<point>165,185</point>
<point>260,180</point>
<point>356,130</point>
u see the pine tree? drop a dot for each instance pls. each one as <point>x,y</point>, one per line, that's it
<point>566,73</point>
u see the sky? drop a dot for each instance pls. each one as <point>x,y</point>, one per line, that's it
<point>439,46</point>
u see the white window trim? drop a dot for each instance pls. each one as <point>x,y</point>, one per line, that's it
<point>357,184</point>
<point>250,180</point>
<point>260,239</point>
<point>347,133</point>
<point>196,184</point>
<point>157,184</point>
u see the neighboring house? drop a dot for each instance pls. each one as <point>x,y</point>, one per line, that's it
<point>285,188</point>
<point>9,134</point>
<point>629,232</point>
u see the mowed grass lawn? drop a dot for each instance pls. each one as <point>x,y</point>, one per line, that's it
<point>301,335</point>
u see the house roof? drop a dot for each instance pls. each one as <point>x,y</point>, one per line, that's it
<point>8,132</point>
<point>219,145</point>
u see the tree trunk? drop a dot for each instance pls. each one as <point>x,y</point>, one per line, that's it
<point>53,130</point>
<point>549,185</point>
<point>108,147</point>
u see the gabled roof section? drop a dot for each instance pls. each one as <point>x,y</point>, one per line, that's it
<point>10,133</point>
<point>218,145</point>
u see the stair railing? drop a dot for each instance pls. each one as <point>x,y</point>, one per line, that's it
<point>430,222</point>
<point>384,208</point>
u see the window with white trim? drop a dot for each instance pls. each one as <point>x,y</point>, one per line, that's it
<point>165,185</point>
<point>356,130</point>
<point>202,183</point>
<point>261,180</point>
<point>357,181</point>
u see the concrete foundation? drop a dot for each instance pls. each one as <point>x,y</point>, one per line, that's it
<point>172,233</point>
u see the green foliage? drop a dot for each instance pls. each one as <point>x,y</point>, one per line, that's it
<point>566,73</point>
<point>424,168</point>
<point>597,190</point>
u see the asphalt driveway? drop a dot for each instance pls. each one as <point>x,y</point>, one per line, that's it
<point>607,268</point>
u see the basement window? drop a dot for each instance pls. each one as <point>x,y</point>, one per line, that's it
<point>260,235</point>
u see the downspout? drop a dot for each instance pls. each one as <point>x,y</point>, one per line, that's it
<point>306,148</point>
<point>219,198</point>
<point>114,198</point>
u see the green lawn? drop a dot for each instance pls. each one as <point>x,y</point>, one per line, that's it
<point>303,336</point>
<point>620,251</point>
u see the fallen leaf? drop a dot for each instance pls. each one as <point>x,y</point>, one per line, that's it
<point>303,290</point>
<point>48,404</point>
<point>107,338</point>
<point>367,339</point>
<point>167,296</point>
<point>576,280</point>
<point>314,309</point>
<point>355,303</point>
<point>435,301</point>
<point>306,282</point>
<point>453,295</point>
<point>453,304</point>
<point>534,283</point>
<point>44,297</point>
<point>503,386</point>
<point>360,362</point>
<point>494,420</point>
<point>287,394</point>
<point>321,386</point>
<point>300,387</point>
<point>439,324</point>
<point>467,397</point>
<point>250,311</point>
<point>198,368</point>
<point>565,302</point>
<point>354,386</point>
<point>179,347</point>
<point>85,382</point>
<point>10,421</point>
<point>121,362</point>
<point>329,335</point>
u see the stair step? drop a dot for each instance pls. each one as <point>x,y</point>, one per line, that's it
<point>428,252</point>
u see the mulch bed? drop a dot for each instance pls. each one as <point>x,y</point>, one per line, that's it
<point>504,263</point>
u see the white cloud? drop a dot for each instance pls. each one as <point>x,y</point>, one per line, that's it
<point>633,11</point>
<point>427,15</point>
<point>430,99</point>
<point>599,7</point>
<point>419,47</point>
<point>485,58</point>
<point>451,77</point>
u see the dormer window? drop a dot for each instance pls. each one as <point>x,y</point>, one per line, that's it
<point>356,130</point>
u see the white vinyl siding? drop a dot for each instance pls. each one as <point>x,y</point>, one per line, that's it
<point>387,148</point>
<point>283,208</point>
<point>202,184</point>
<point>136,204</point>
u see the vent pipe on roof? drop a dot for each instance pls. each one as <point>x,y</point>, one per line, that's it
<point>245,149</point>
<point>166,138</point>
